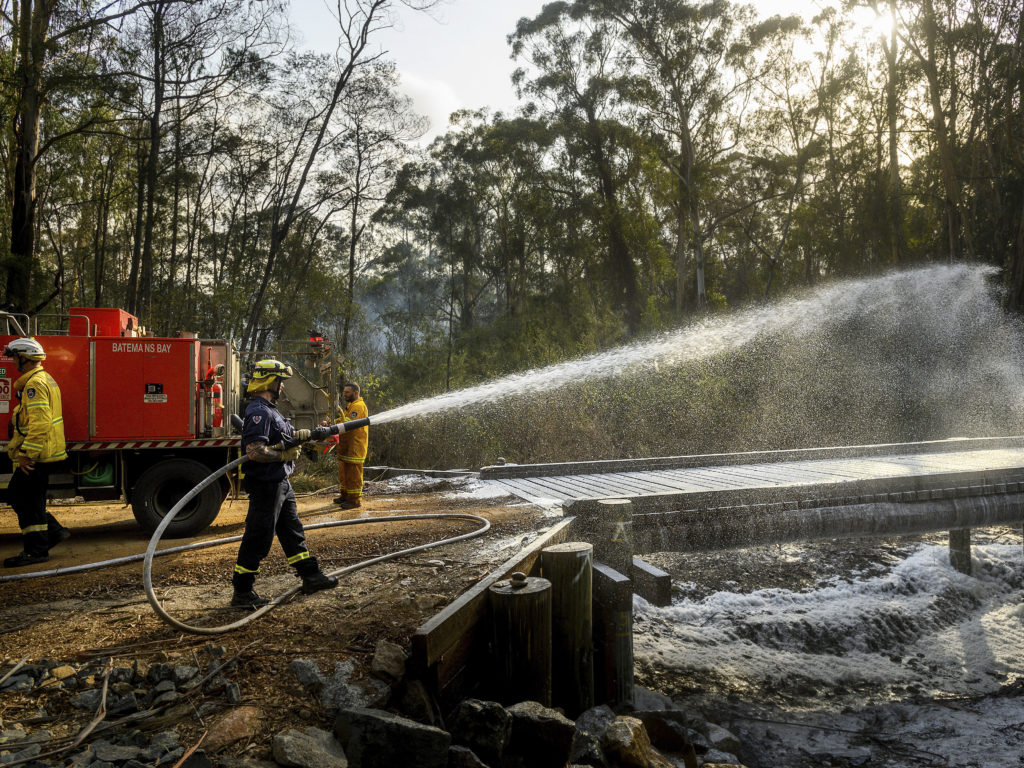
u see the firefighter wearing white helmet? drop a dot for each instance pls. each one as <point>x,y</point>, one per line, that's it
<point>36,446</point>
<point>272,507</point>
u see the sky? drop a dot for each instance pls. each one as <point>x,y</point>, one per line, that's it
<point>457,55</point>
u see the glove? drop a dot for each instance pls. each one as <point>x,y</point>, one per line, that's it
<point>302,435</point>
<point>320,433</point>
<point>291,454</point>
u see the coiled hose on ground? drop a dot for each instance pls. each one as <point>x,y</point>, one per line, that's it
<point>151,552</point>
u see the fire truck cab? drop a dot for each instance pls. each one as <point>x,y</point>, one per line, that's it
<point>145,418</point>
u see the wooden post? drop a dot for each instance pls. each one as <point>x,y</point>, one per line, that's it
<point>521,639</point>
<point>569,569</point>
<point>960,550</point>
<point>613,636</point>
<point>652,584</point>
<point>612,533</point>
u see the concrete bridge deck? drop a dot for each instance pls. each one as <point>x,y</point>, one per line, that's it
<point>771,476</point>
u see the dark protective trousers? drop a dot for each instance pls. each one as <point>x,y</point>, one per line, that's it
<point>26,493</point>
<point>272,510</point>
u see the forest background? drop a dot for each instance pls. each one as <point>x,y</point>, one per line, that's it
<point>183,160</point>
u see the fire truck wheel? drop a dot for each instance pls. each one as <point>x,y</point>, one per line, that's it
<point>161,487</point>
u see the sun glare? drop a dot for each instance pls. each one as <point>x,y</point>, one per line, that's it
<point>867,22</point>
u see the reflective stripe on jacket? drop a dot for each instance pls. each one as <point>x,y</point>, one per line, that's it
<point>352,446</point>
<point>38,419</point>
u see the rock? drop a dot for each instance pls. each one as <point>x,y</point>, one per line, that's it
<point>140,671</point>
<point>595,720</point>
<point>540,737</point>
<point>668,729</point>
<point>413,700</point>
<point>22,754</point>
<point>184,675</point>
<point>463,757</point>
<point>646,699</point>
<point>483,726</point>
<point>117,674</point>
<point>720,758</point>
<point>87,701</point>
<point>233,694</point>
<point>338,692</point>
<point>18,683</point>
<point>245,762</point>
<point>115,753</point>
<point>39,737</point>
<point>308,748</point>
<point>723,740</point>
<point>122,689</point>
<point>62,672</point>
<point>388,661</point>
<point>165,698</point>
<point>626,744</point>
<point>164,686</point>
<point>308,674</point>
<point>240,723</point>
<point>373,738</point>
<point>12,735</point>
<point>586,750</point>
<point>159,672</point>
<point>197,759</point>
<point>122,705</point>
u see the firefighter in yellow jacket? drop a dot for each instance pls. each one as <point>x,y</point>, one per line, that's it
<point>352,450</point>
<point>36,447</point>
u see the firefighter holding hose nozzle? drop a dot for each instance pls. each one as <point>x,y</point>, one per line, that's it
<point>272,507</point>
<point>36,446</point>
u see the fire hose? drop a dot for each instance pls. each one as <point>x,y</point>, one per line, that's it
<point>151,551</point>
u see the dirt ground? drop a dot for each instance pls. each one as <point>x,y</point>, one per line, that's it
<point>105,613</point>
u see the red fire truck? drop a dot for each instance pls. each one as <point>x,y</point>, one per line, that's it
<point>145,418</point>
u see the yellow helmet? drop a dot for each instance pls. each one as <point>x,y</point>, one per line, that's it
<point>26,347</point>
<point>265,373</point>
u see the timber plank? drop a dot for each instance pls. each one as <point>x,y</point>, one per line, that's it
<point>445,629</point>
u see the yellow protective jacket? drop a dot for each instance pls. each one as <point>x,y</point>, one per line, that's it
<point>352,445</point>
<point>38,419</point>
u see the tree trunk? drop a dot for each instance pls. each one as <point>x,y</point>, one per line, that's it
<point>33,24</point>
<point>152,165</point>
<point>892,114</point>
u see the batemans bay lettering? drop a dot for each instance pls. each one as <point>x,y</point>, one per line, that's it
<point>136,346</point>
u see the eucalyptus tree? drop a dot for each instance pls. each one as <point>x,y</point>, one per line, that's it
<point>188,52</point>
<point>56,61</point>
<point>573,72</point>
<point>358,20</point>
<point>377,123</point>
<point>698,69</point>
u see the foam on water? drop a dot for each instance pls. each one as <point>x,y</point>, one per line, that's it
<point>959,290</point>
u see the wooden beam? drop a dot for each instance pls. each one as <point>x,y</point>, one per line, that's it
<point>444,632</point>
<point>651,583</point>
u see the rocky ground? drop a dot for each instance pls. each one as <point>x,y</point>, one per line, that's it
<point>73,630</point>
<point>91,676</point>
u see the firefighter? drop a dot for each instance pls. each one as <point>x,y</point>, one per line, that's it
<point>36,446</point>
<point>272,506</point>
<point>352,448</point>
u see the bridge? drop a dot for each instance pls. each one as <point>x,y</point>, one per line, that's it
<point>719,501</point>
<point>625,508</point>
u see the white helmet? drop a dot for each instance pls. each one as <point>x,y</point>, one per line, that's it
<point>26,347</point>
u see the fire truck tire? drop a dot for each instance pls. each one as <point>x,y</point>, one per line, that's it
<point>161,487</point>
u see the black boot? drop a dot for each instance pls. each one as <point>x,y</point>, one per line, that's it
<point>26,558</point>
<point>313,579</point>
<point>249,600</point>
<point>317,581</point>
<point>245,596</point>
